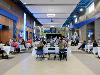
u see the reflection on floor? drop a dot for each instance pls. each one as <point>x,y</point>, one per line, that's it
<point>80,63</point>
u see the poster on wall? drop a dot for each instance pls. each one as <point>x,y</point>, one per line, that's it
<point>90,34</point>
<point>20,35</point>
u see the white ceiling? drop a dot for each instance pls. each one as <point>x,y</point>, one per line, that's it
<point>40,9</point>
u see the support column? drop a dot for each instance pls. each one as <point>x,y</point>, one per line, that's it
<point>24,27</point>
<point>14,29</point>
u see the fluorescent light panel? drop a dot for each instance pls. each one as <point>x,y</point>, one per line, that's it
<point>51,15</point>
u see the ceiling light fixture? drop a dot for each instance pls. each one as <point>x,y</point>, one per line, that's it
<point>81,9</point>
<point>75,16</point>
<point>51,15</point>
<point>25,3</point>
<point>52,26</point>
<point>68,26</point>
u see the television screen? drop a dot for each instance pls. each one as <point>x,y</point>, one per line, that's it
<point>46,30</point>
<point>5,27</point>
<point>53,30</point>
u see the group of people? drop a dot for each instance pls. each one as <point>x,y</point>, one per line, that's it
<point>16,44</point>
<point>94,43</point>
<point>75,41</point>
<point>62,43</point>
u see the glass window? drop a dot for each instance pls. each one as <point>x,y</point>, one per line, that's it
<point>76,20</point>
<point>91,8</point>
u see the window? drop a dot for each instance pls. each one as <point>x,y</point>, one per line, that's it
<point>76,20</point>
<point>5,4</point>
<point>91,8</point>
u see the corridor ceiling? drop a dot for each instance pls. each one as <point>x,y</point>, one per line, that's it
<point>58,10</point>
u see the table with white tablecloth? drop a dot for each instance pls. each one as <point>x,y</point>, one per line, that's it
<point>55,51</point>
<point>98,51</point>
<point>95,50</point>
<point>22,47</point>
<point>1,45</point>
<point>28,45</point>
<point>7,49</point>
<point>88,47</point>
<point>52,50</point>
<point>46,51</point>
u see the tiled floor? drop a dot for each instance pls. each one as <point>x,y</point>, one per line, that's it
<point>26,64</point>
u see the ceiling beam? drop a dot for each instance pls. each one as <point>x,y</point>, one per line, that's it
<point>51,13</point>
<point>50,4</point>
<point>53,24</point>
<point>51,18</point>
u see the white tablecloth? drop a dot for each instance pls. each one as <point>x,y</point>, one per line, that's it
<point>95,50</point>
<point>28,45</point>
<point>69,51</point>
<point>21,47</point>
<point>98,51</point>
<point>88,47</point>
<point>45,49</point>
<point>1,45</point>
<point>7,49</point>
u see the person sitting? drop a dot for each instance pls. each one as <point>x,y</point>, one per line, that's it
<point>43,41</point>
<point>89,42</point>
<point>62,46</point>
<point>40,46</point>
<point>40,49</point>
<point>52,43</point>
<point>83,45</point>
<point>16,46</point>
<point>95,44</point>
<point>2,52</point>
<point>23,43</point>
<point>30,42</point>
<point>76,41</point>
<point>0,42</point>
<point>72,43</point>
<point>7,43</point>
